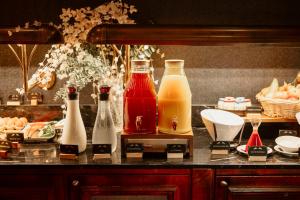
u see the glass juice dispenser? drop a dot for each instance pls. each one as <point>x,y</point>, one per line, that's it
<point>140,100</point>
<point>174,100</point>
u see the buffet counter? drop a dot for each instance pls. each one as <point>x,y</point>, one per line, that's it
<point>48,155</point>
<point>36,172</point>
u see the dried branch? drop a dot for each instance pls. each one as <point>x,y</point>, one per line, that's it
<point>15,53</point>
<point>115,48</point>
<point>31,54</point>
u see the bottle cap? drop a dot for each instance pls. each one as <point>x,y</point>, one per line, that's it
<point>104,89</point>
<point>72,92</point>
<point>72,89</point>
<point>104,92</point>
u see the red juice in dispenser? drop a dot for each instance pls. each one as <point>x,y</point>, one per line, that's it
<point>140,100</point>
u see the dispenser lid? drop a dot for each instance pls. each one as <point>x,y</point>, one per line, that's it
<point>140,62</point>
<point>174,63</point>
<point>140,65</point>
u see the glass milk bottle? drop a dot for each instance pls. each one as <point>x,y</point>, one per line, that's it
<point>74,131</point>
<point>104,131</point>
<point>174,100</point>
<point>140,100</point>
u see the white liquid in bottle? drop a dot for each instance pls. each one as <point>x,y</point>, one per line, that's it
<point>74,131</point>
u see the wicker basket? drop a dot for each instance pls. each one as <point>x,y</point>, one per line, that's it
<point>279,107</point>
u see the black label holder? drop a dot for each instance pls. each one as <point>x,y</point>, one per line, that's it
<point>68,151</point>
<point>220,147</point>
<point>102,151</point>
<point>176,151</point>
<point>257,153</point>
<point>16,138</point>
<point>134,150</point>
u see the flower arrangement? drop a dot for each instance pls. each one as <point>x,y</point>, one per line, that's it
<point>79,63</point>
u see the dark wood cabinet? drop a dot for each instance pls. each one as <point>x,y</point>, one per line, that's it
<point>94,183</point>
<point>30,187</point>
<point>202,184</point>
<point>145,184</point>
<point>257,184</point>
<point>132,184</point>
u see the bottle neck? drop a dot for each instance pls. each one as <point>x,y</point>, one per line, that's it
<point>140,69</point>
<point>73,96</point>
<point>72,107</point>
<point>73,102</point>
<point>139,75</point>
<point>103,109</point>
<point>103,104</point>
<point>174,71</point>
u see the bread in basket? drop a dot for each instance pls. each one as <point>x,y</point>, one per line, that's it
<point>280,101</point>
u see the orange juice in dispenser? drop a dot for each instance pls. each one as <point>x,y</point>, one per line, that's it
<point>174,100</point>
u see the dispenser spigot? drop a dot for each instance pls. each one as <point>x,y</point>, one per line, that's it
<point>174,123</point>
<point>138,122</point>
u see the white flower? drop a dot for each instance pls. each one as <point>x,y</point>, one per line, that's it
<point>94,96</point>
<point>21,91</point>
<point>116,59</point>
<point>63,66</point>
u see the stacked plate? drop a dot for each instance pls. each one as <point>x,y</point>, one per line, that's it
<point>298,117</point>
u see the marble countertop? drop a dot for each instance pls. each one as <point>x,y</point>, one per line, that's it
<point>47,155</point>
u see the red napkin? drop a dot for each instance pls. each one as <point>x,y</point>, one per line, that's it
<point>254,140</point>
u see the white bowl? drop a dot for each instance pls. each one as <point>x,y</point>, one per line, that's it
<point>227,124</point>
<point>298,117</point>
<point>288,143</point>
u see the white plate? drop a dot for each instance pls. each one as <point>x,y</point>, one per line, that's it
<point>280,150</point>
<point>242,148</point>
